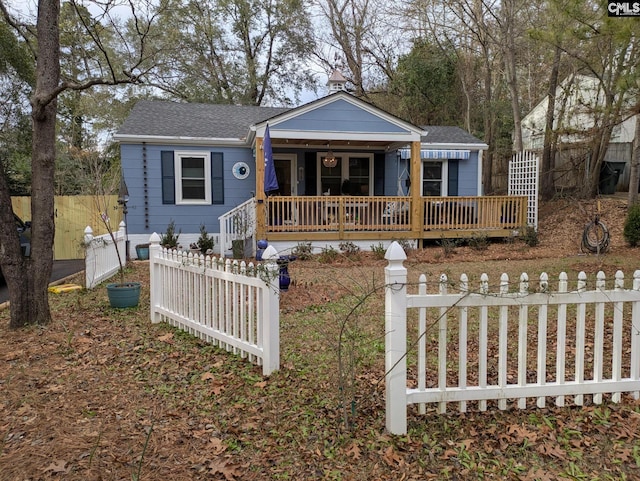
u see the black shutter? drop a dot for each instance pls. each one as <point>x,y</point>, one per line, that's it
<point>310,174</point>
<point>378,174</point>
<point>168,177</point>
<point>217,178</point>
<point>452,184</point>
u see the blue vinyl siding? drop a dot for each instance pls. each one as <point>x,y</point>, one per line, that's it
<point>468,175</point>
<point>339,116</point>
<point>154,215</point>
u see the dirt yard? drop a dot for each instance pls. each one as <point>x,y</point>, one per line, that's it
<point>102,394</point>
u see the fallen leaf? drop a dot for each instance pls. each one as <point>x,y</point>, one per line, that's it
<point>216,446</point>
<point>353,451</point>
<point>14,355</point>
<point>58,466</point>
<point>539,475</point>
<point>554,451</point>
<point>261,384</point>
<point>229,471</point>
<point>168,338</point>
<point>207,375</point>
<point>392,458</point>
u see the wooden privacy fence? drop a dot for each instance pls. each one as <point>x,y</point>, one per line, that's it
<point>72,213</point>
<point>230,304</point>
<point>101,257</point>
<point>474,345</point>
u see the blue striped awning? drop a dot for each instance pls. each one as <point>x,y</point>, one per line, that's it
<point>437,154</point>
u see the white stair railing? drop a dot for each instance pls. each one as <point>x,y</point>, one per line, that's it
<point>238,224</point>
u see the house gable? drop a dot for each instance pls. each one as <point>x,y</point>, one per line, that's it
<point>340,116</point>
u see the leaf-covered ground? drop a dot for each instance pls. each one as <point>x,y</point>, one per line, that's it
<point>102,394</point>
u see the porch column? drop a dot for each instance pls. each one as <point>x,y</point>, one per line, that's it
<point>416,189</point>
<point>261,228</point>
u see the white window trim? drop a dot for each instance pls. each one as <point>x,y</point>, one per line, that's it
<point>177,158</point>
<point>444,189</point>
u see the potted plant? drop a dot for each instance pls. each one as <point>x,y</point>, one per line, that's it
<point>142,251</point>
<point>121,294</point>
<point>169,240</point>
<point>205,241</point>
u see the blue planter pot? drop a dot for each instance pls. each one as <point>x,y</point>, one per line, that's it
<point>123,295</point>
<point>142,252</point>
<point>284,278</point>
<point>262,245</point>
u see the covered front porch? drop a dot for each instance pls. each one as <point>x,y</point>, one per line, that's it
<point>346,170</point>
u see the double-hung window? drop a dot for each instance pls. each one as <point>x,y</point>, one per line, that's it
<point>433,179</point>
<point>193,177</point>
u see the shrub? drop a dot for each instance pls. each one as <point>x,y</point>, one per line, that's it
<point>328,255</point>
<point>303,251</point>
<point>631,230</point>
<point>449,246</point>
<point>349,249</point>
<point>169,239</point>
<point>529,236</point>
<point>479,242</point>
<point>205,241</point>
<point>378,250</point>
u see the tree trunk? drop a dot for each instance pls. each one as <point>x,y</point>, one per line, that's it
<point>487,167</point>
<point>598,151</point>
<point>31,304</point>
<point>509,54</point>
<point>547,184</point>
<point>634,174</point>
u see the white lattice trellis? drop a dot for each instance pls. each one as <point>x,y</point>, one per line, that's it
<point>524,180</point>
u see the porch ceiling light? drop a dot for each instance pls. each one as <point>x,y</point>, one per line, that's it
<point>330,160</point>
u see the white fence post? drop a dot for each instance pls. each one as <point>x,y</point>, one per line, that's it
<point>89,259</point>
<point>635,335</point>
<point>396,339</point>
<point>271,330</point>
<point>155,282</point>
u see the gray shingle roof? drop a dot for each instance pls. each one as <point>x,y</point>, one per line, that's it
<point>173,119</point>
<point>439,134</point>
<point>159,118</point>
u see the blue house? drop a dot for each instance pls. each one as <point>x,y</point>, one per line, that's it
<point>346,171</point>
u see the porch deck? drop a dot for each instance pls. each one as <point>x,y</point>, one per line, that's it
<point>391,217</point>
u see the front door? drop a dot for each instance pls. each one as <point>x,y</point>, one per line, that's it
<point>284,166</point>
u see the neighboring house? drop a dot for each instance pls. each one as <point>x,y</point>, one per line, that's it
<point>577,101</point>
<point>343,168</point>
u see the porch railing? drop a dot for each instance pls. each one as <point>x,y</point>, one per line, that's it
<point>391,213</point>
<point>488,212</point>
<point>337,213</point>
<point>237,224</point>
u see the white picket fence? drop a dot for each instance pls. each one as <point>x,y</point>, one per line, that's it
<point>473,345</point>
<point>232,304</point>
<point>101,258</point>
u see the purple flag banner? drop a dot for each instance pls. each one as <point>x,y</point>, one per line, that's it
<point>270,179</point>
